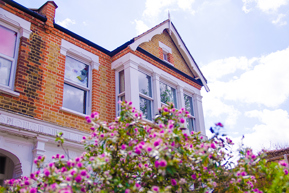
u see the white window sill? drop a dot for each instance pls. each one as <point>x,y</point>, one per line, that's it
<point>8,91</point>
<point>72,112</point>
<point>168,62</point>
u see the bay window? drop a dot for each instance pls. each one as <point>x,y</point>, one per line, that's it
<point>145,95</point>
<point>167,94</point>
<point>190,108</point>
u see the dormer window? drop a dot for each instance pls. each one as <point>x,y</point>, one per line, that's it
<point>166,53</point>
<point>165,56</point>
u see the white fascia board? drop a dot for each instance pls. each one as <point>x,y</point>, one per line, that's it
<point>187,55</point>
<point>153,69</point>
<point>17,22</point>
<point>147,37</point>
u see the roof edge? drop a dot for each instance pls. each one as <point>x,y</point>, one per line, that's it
<point>26,10</point>
<point>199,82</point>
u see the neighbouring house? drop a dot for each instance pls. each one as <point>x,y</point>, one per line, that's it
<point>51,78</point>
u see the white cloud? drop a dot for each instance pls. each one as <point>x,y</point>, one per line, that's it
<point>220,68</point>
<point>66,22</point>
<point>267,6</point>
<point>272,130</point>
<point>155,7</point>
<point>266,84</point>
<point>140,26</point>
<point>214,107</point>
<point>279,21</point>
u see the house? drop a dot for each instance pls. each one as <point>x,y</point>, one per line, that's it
<point>51,78</point>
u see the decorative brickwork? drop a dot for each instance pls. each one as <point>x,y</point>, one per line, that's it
<point>175,58</point>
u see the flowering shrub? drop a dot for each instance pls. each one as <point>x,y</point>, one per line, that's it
<point>129,155</point>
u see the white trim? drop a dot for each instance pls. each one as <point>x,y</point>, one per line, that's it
<point>165,48</point>
<point>80,53</point>
<point>72,112</point>
<point>178,42</point>
<point>17,22</point>
<point>9,91</point>
<point>158,76</point>
<point>24,126</point>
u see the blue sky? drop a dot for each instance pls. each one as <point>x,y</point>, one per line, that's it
<point>242,47</point>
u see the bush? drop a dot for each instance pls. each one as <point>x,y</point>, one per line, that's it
<point>129,155</point>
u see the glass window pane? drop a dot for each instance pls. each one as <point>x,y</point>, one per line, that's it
<point>189,104</point>
<point>5,71</point>
<point>145,107</point>
<point>121,82</point>
<point>190,124</point>
<point>168,94</point>
<point>145,84</point>
<point>120,98</point>
<point>7,41</point>
<point>76,71</point>
<point>74,98</point>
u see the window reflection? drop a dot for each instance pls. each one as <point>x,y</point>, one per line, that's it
<point>74,98</point>
<point>144,84</point>
<point>168,94</point>
<point>5,71</point>
<point>145,107</point>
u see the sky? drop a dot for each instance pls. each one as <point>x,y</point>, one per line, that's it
<point>241,46</point>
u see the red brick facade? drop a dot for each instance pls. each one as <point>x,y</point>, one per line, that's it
<point>40,73</point>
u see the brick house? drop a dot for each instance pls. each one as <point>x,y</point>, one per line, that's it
<point>51,78</point>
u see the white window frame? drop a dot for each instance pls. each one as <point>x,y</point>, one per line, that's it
<point>22,28</point>
<point>166,51</point>
<point>78,86</point>
<point>118,93</point>
<point>92,60</point>
<point>172,86</point>
<point>146,96</point>
<point>192,116</point>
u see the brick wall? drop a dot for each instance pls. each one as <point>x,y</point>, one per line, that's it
<point>40,75</point>
<point>174,58</point>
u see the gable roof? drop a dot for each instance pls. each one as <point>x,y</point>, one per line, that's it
<point>158,29</point>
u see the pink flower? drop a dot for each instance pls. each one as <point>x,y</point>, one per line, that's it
<point>46,172</point>
<point>182,120</point>
<point>166,109</point>
<point>213,146</point>
<point>194,176</point>
<point>83,173</point>
<point>219,124</point>
<point>286,171</point>
<point>123,146</point>
<point>149,149</point>
<point>283,163</point>
<point>33,190</point>
<point>157,142</point>
<point>157,164</point>
<point>127,191</point>
<point>78,179</point>
<point>137,185</point>
<point>174,182</point>
<point>137,151</point>
<point>156,188</point>
<point>163,163</point>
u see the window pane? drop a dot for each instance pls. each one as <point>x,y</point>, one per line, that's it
<point>190,124</point>
<point>74,98</point>
<point>145,107</point>
<point>144,84</point>
<point>165,57</point>
<point>189,104</point>
<point>168,94</point>
<point>5,69</point>
<point>2,165</point>
<point>120,98</point>
<point>7,41</point>
<point>76,71</point>
<point>121,82</point>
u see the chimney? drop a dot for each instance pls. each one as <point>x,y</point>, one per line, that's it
<point>48,10</point>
